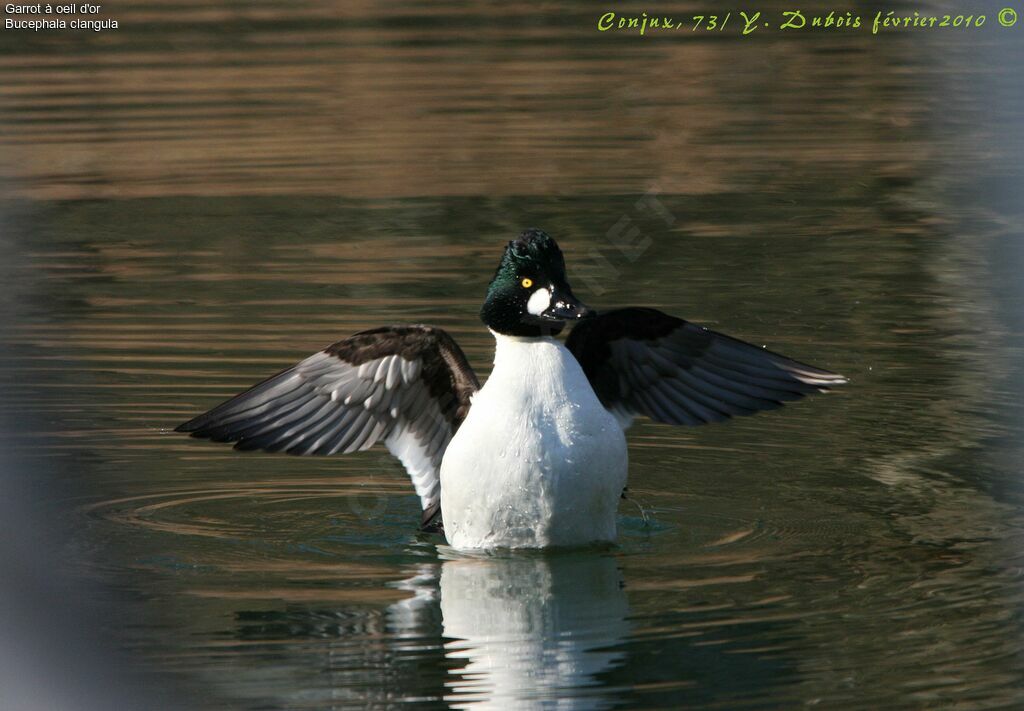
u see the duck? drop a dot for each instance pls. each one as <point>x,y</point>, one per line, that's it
<point>537,456</point>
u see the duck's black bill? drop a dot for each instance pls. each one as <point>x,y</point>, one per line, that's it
<point>564,307</point>
<point>570,309</point>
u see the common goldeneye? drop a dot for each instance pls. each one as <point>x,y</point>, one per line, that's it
<point>537,456</point>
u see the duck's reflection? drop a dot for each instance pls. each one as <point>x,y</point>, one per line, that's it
<point>523,630</point>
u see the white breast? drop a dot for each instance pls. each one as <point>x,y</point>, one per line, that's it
<point>538,461</point>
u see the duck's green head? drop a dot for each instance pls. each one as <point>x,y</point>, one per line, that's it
<point>530,295</point>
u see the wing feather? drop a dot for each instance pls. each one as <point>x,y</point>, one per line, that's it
<point>645,362</point>
<point>406,386</point>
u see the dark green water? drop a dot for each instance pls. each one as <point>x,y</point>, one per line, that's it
<point>200,200</point>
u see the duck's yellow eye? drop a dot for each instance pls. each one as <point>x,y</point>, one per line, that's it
<point>527,282</point>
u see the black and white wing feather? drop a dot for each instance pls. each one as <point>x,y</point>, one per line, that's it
<point>641,361</point>
<point>406,386</point>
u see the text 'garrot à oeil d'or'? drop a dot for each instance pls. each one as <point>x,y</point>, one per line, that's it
<point>51,9</point>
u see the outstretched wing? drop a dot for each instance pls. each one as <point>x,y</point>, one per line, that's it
<point>408,386</point>
<point>644,362</point>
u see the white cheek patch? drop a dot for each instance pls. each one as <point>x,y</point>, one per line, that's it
<point>539,302</point>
